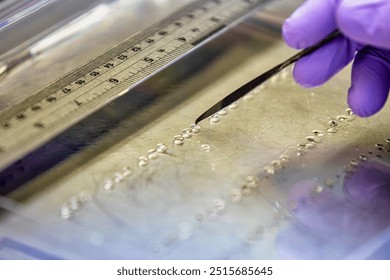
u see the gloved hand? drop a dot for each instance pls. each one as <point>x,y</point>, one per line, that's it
<point>365,28</point>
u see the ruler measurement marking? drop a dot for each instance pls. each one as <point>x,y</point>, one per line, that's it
<point>94,84</point>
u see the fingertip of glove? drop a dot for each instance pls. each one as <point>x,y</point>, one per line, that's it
<point>362,108</point>
<point>289,35</point>
<point>303,77</point>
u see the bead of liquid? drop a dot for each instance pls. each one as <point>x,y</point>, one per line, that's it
<point>143,161</point>
<point>380,147</point>
<point>349,111</point>
<point>118,177</point>
<point>329,182</point>
<point>341,117</point>
<point>161,148</point>
<point>354,162</point>
<point>126,171</point>
<point>205,148</point>
<point>318,189</point>
<point>312,139</point>
<point>218,204</point>
<point>235,195</point>
<point>74,203</point>
<point>284,74</point>
<point>249,96</point>
<point>245,189</point>
<point>309,146</point>
<point>363,157</point>
<point>348,168</point>
<point>318,133</point>
<point>274,78</point>
<point>108,184</point>
<point>178,140</point>
<point>277,163</point>
<point>331,130</point>
<point>65,212</point>
<point>195,128</point>
<point>284,158</point>
<point>252,182</point>
<point>153,155</point>
<point>84,197</point>
<point>269,170</point>
<point>187,133</point>
<point>215,119</point>
<point>223,112</point>
<point>333,123</point>
<point>233,106</point>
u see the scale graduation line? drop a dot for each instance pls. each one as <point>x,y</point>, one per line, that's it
<point>31,123</point>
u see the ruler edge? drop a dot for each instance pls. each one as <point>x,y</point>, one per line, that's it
<point>135,38</point>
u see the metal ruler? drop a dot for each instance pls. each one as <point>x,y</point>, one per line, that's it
<point>48,112</point>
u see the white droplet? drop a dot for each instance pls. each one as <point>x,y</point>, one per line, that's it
<point>248,97</point>
<point>84,197</point>
<point>65,212</point>
<point>218,204</point>
<point>143,161</point>
<point>252,182</point>
<point>153,155</point>
<point>74,202</point>
<point>108,184</point>
<point>341,117</point>
<point>215,119</point>
<point>223,112</point>
<point>274,78</point>
<point>161,148</point>
<point>349,111</point>
<point>126,171</point>
<point>195,128</point>
<point>312,139</point>
<point>205,148</point>
<point>277,163</point>
<point>329,182</point>
<point>348,168</point>
<point>318,133</point>
<point>354,162</point>
<point>233,106</point>
<point>284,74</point>
<point>318,189</point>
<point>187,133</point>
<point>309,146</point>
<point>269,170</point>
<point>363,157</point>
<point>333,123</point>
<point>118,177</point>
<point>284,158</point>
<point>235,195</point>
<point>178,140</point>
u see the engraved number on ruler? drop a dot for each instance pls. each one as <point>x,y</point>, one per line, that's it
<point>92,90</point>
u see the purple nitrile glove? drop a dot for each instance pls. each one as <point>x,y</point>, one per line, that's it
<point>365,28</point>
